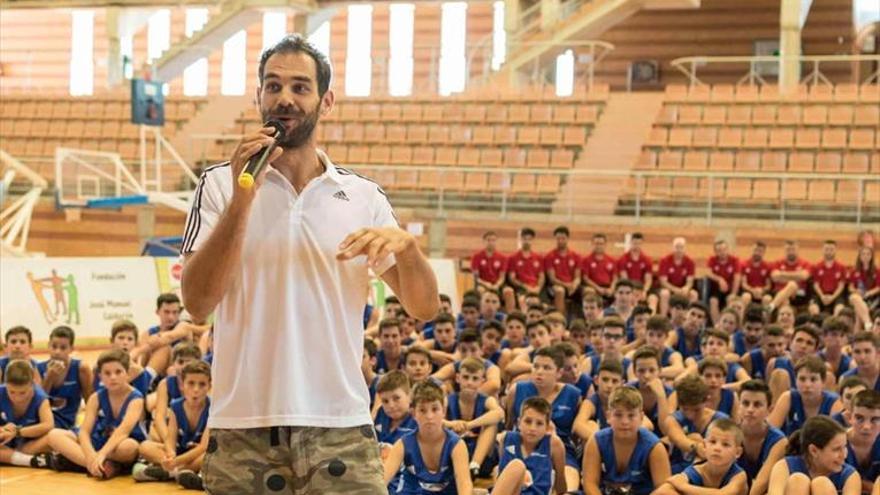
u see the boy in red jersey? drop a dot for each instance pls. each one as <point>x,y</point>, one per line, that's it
<point>490,268</point>
<point>723,278</point>
<point>790,276</point>
<point>563,270</point>
<point>829,281</point>
<point>637,266</point>
<point>756,276</point>
<point>598,270</point>
<point>676,274</point>
<point>525,269</point>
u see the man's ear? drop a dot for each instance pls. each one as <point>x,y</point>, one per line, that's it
<point>327,102</point>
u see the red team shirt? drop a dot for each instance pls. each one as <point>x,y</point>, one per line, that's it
<point>598,270</point>
<point>527,268</point>
<point>488,268</point>
<point>563,264</point>
<point>827,277</point>
<point>635,270</point>
<point>724,269</point>
<point>676,274</point>
<point>784,266</point>
<point>864,282</point>
<point>756,274</point>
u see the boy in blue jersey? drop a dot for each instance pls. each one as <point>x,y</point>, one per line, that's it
<point>490,341</point>
<point>686,428</point>
<point>181,453</point>
<point>391,416</point>
<point>756,362</point>
<point>847,389</point>
<point>170,388</point>
<point>539,338</point>
<point>816,464</point>
<point>570,373</point>
<point>763,444</point>
<point>579,336</point>
<point>564,398</point>
<point>368,362</point>
<point>18,344</point>
<point>532,459</point>
<point>625,443</point>
<point>154,349</point>
<point>808,399</point>
<point>431,459</point>
<point>637,327</point>
<point>591,415</point>
<point>124,337</point>
<point>804,342</point>
<point>25,417</point>
<point>715,343</point>
<point>656,331</point>
<point>469,347</point>
<point>417,365</point>
<point>107,441</point>
<point>474,416</point>
<point>613,338</point>
<point>67,381</point>
<point>835,334</point>
<point>390,354</point>
<point>749,338</point>
<point>866,354</point>
<point>686,338</point>
<point>442,347</point>
<point>863,439</point>
<point>720,473</point>
<point>714,372</point>
<point>656,400</point>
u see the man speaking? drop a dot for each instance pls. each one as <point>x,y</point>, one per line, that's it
<point>283,264</point>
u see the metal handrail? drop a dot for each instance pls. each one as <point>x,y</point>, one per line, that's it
<point>688,66</point>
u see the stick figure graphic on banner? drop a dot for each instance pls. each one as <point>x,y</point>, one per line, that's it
<point>64,292</point>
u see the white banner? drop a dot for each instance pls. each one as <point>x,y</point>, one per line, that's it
<point>87,294</point>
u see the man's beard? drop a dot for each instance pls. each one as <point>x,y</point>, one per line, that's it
<point>300,134</point>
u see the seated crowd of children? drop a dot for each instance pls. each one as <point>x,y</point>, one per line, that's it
<point>604,390</point>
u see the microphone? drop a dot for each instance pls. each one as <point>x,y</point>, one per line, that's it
<point>257,162</point>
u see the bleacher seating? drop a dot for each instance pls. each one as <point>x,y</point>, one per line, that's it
<point>815,130</point>
<point>533,129</point>
<point>32,127</point>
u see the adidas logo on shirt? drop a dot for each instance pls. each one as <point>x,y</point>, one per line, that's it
<point>341,195</point>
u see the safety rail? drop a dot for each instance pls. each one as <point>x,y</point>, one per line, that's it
<point>757,64</point>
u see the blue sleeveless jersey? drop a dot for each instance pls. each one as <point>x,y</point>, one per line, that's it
<point>796,464</point>
<point>871,470</point>
<point>382,365</point>
<point>372,389</point>
<point>784,363</point>
<point>796,414</point>
<point>172,385</point>
<point>495,357</point>
<point>141,383</point>
<point>189,436</point>
<point>65,398</point>
<point>563,411</point>
<point>637,474</point>
<point>759,367</point>
<point>106,423</point>
<point>855,372</point>
<point>584,383</point>
<point>732,369</point>
<point>384,433</point>
<point>753,466</point>
<point>842,367</point>
<point>666,356</point>
<point>739,342</point>
<point>596,360</point>
<point>599,414</point>
<point>453,413</point>
<point>30,417</point>
<point>696,479</point>
<point>682,348</point>
<point>838,416</point>
<point>725,405</point>
<point>679,460</point>
<point>539,462</point>
<point>416,479</point>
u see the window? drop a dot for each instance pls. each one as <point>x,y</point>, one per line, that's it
<point>82,56</point>
<point>400,41</point>
<point>866,12</point>
<point>195,77</point>
<point>233,70</point>
<point>453,39</point>
<point>274,28</point>
<point>499,36</point>
<point>565,73</point>
<point>358,64</point>
<point>158,34</point>
<point>126,49</point>
<point>320,38</point>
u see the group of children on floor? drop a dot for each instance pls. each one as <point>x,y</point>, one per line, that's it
<point>523,403</point>
<point>146,402</point>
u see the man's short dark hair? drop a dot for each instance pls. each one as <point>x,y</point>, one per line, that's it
<point>296,43</point>
<point>562,229</point>
<point>761,244</point>
<point>679,301</point>
<point>444,318</point>
<point>489,233</point>
<point>599,235</point>
<point>527,231</point>
<point>637,235</point>
<point>698,305</point>
<point>167,298</point>
<point>623,282</point>
<point>641,309</point>
<point>470,303</point>
<point>445,298</point>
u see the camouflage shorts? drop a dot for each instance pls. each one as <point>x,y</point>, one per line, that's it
<point>293,460</point>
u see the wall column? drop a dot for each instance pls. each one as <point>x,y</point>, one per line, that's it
<point>792,15</point>
<point>115,73</point>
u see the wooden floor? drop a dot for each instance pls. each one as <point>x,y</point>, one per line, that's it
<point>26,481</point>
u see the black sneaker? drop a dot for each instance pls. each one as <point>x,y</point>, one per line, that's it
<point>190,480</point>
<point>157,473</point>
<point>43,461</point>
<point>61,463</point>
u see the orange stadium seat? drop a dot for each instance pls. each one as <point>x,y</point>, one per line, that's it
<point>747,161</point>
<point>574,136</point>
<point>794,189</point>
<point>417,133</point>
<point>548,184</point>
<point>438,134</point>
<point>446,155</point>
<point>689,114</point>
<point>834,138</point>
<point>551,135</point>
<point>765,189</point>
<point>423,155</point>
<point>476,182</point>
<point>801,162</point>
<point>764,115</point>
<point>781,138</point>
<point>705,137</point>
<point>739,115</point>
<point>587,114</point>
<point>483,135</point>
<point>867,115</point>
<point>807,138</point>
<point>505,135</point>
<point>561,158</point>
<point>856,163</point>
<point>669,160</point>
<point>529,135</point>
<point>715,115</point>
<point>738,189</point>
<point>862,139</point>
<point>491,157</point>
<point>755,138</point>
<point>815,115</point>
<point>774,161</point>
<point>538,158</point>
<point>730,137</point>
<point>518,113</point>
<point>647,160</point>
<point>373,133</point>
<point>821,190</point>
<point>475,114</point>
<point>401,155</point>
<point>828,163</point>
<point>514,158</point>
<point>721,161</point>
<point>469,157</point>
<point>523,184</point>
<point>695,160</point>
<point>564,114</point>
<point>840,115</point>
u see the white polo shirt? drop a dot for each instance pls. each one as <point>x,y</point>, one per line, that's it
<point>288,333</point>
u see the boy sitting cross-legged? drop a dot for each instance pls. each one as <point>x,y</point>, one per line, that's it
<point>25,417</point>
